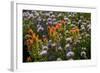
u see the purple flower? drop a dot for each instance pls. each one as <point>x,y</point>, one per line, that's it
<point>70,54</point>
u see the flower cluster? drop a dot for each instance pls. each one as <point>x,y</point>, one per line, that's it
<point>56,36</point>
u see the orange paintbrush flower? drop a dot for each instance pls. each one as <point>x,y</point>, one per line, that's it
<point>58,26</point>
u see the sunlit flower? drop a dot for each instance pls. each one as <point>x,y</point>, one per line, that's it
<point>67,45</point>
<point>43,52</point>
<point>59,48</point>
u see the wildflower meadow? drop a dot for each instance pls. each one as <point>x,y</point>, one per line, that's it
<point>56,36</point>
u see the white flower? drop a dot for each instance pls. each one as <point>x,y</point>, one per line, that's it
<point>30,15</point>
<point>65,18</point>
<point>67,45</point>
<point>89,26</point>
<point>44,48</point>
<point>87,35</point>
<point>47,14</point>
<point>82,27</point>
<point>25,14</point>
<point>40,28</point>
<point>80,37</point>
<point>52,16</point>
<point>54,44</point>
<point>50,41</point>
<point>60,48</point>
<point>72,25</point>
<point>55,22</point>
<point>84,23</point>
<point>38,25</point>
<point>69,39</point>
<point>60,14</point>
<point>83,53</point>
<point>51,12</point>
<point>43,52</point>
<point>36,13</point>
<point>39,19</point>
<point>49,19</point>
<point>83,48</point>
<point>69,21</point>
<point>80,21</point>
<point>69,15</point>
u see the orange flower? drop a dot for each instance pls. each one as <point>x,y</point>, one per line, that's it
<point>75,32</point>
<point>58,26</point>
<point>53,29</point>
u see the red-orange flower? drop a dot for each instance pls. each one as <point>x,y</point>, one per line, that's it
<point>58,25</point>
